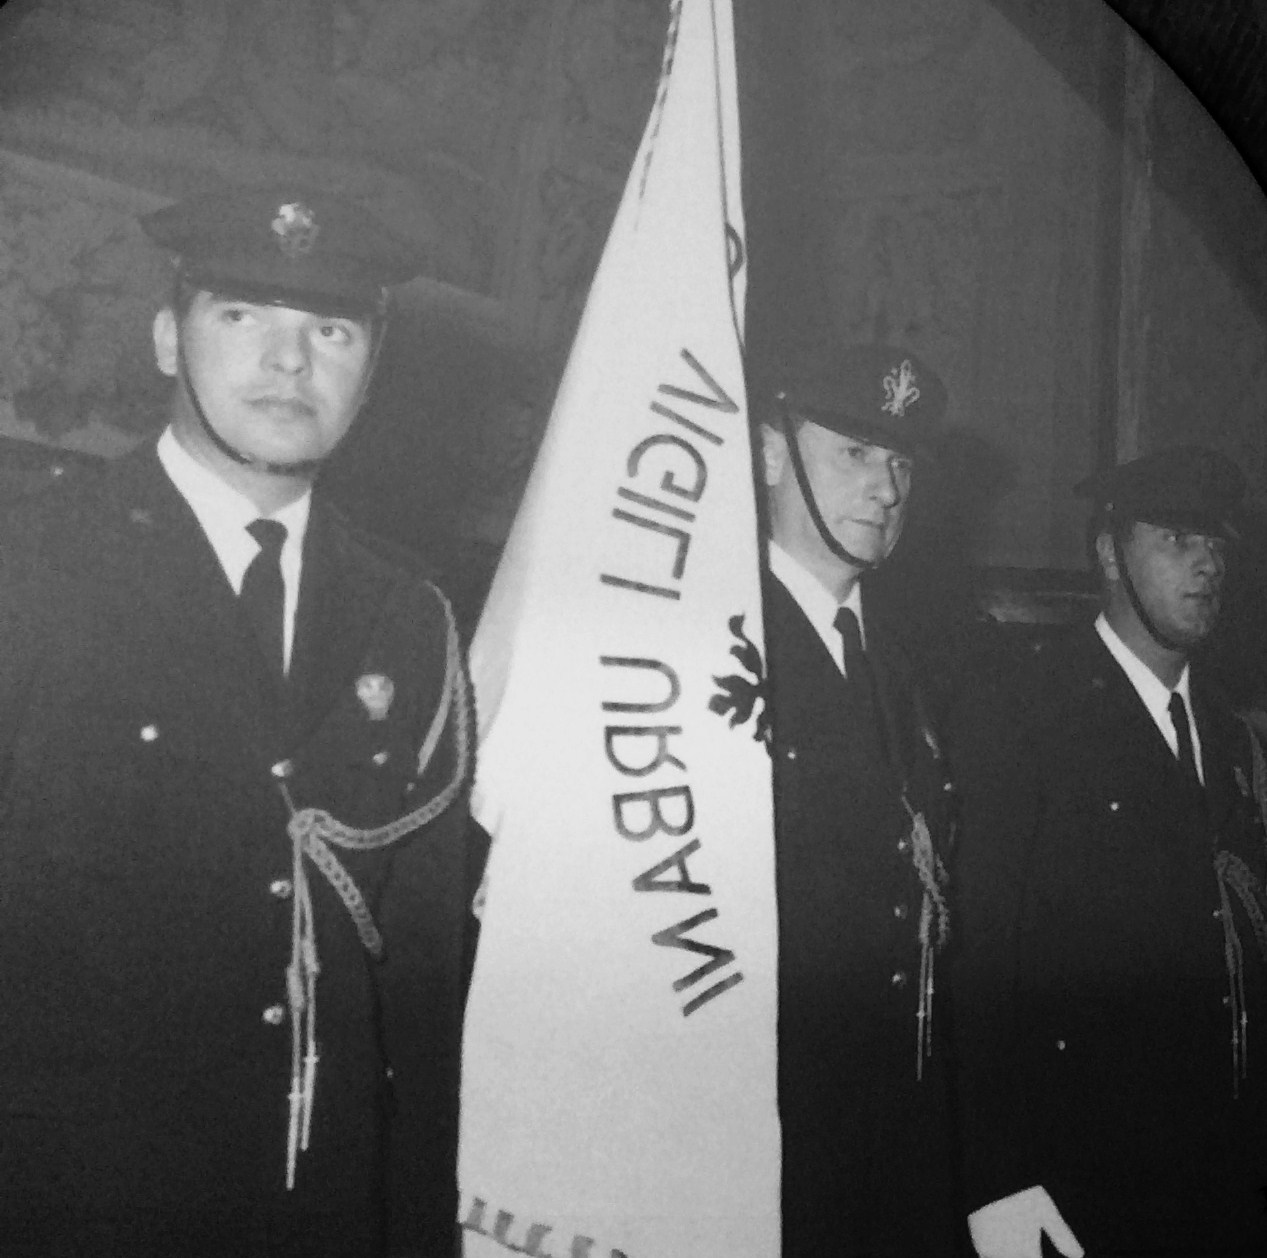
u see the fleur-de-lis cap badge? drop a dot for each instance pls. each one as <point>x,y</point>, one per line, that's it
<point>885,395</point>
<point>900,389</point>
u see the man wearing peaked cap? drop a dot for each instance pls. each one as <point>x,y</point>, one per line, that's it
<point>235,868</point>
<point>862,808</point>
<point>1112,962</point>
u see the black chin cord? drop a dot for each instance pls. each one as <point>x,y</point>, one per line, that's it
<point>1124,575</point>
<point>301,467</point>
<point>802,481</point>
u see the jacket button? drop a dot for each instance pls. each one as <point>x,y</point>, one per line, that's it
<point>1115,805</point>
<point>280,888</point>
<point>274,1015</point>
<point>380,758</point>
<point>898,979</point>
<point>791,753</point>
<point>900,911</point>
<point>1060,1046</point>
<point>903,846</point>
<point>149,733</point>
<point>282,770</point>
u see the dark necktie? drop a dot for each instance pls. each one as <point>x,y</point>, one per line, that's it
<point>859,675</point>
<point>263,593</point>
<point>1179,718</point>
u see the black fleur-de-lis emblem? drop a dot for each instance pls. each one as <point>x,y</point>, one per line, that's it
<point>739,695</point>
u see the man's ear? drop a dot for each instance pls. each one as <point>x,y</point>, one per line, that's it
<point>774,454</point>
<point>166,337</point>
<point>1106,555</point>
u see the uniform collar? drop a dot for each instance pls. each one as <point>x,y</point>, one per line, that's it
<point>1153,693</point>
<point>814,599</point>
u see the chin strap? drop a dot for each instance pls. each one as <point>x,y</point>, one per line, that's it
<point>1124,575</point>
<point>301,467</point>
<point>802,481</point>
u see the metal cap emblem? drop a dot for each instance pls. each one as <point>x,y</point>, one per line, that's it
<point>900,390</point>
<point>375,691</point>
<point>296,229</point>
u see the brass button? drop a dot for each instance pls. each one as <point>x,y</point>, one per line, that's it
<point>274,1015</point>
<point>380,758</point>
<point>1115,805</point>
<point>903,846</point>
<point>1060,1046</point>
<point>149,733</point>
<point>899,979</point>
<point>280,888</point>
<point>791,753</point>
<point>282,769</point>
<point>900,911</point>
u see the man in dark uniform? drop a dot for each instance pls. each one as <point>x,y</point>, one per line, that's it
<point>1110,992</point>
<point>861,812</point>
<point>235,874</point>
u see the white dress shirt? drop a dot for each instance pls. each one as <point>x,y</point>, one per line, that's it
<point>224,514</point>
<point>1154,694</point>
<point>816,601</point>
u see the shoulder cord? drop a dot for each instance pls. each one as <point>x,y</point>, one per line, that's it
<point>1233,874</point>
<point>934,916</point>
<point>312,831</point>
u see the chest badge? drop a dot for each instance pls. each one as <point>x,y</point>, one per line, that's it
<point>375,691</point>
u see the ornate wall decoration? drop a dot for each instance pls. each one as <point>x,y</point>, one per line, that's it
<point>77,293</point>
<point>403,101</point>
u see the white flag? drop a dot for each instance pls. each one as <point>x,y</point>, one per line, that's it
<point>619,1064</point>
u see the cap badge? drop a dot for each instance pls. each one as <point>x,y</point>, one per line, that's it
<point>375,691</point>
<point>296,229</point>
<point>900,390</point>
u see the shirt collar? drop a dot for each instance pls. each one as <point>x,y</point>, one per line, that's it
<point>814,598</point>
<point>1154,693</point>
<point>222,511</point>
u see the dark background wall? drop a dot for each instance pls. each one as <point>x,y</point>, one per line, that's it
<point>1071,228</point>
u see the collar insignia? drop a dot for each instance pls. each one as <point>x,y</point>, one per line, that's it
<point>375,691</point>
<point>296,229</point>
<point>900,390</point>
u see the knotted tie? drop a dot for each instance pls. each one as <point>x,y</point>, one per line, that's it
<point>1179,719</point>
<point>263,593</point>
<point>859,674</point>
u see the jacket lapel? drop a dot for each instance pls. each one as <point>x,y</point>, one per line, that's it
<point>342,593</point>
<point>166,558</point>
<point>1220,740</point>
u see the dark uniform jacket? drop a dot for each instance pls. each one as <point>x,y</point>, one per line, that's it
<point>866,1143</point>
<point>146,890</point>
<point>1097,976</point>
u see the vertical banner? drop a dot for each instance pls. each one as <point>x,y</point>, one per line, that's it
<point>619,1063</point>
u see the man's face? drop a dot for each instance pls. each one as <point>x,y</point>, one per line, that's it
<point>1178,578</point>
<point>279,385</point>
<point>862,492</point>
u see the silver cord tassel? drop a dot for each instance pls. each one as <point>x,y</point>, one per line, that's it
<point>311,832</point>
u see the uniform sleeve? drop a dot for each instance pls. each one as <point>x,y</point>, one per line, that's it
<point>993,760</point>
